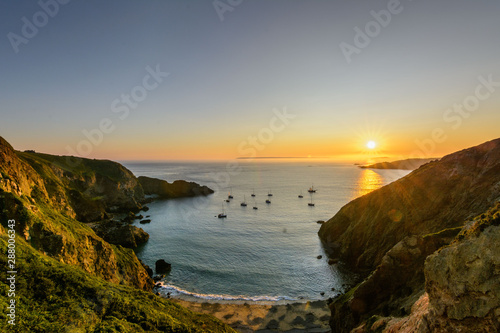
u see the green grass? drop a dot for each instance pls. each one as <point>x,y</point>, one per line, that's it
<point>78,166</point>
<point>481,222</point>
<point>56,297</point>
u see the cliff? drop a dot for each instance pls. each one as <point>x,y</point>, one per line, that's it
<point>408,164</point>
<point>177,189</point>
<point>438,195</point>
<point>391,237</point>
<point>51,198</point>
<point>462,285</point>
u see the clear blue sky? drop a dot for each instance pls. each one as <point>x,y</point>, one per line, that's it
<point>226,77</point>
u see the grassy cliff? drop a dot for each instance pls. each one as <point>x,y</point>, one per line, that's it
<point>69,279</point>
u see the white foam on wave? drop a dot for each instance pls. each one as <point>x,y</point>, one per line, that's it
<point>166,289</point>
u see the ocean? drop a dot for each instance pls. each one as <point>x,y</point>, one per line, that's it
<point>268,254</point>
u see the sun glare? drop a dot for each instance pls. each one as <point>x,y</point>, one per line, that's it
<point>371,144</point>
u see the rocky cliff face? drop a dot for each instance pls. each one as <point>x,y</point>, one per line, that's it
<point>38,192</point>
<point>462,284</point>
<point>390,233</point>
<point>70,278</point>
<point>436,196</point>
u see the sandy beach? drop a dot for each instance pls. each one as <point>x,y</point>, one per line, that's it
<point>254,317</point>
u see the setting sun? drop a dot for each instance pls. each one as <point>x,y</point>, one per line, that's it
<point>371,144</point>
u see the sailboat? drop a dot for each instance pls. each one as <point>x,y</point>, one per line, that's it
<point>268,201</point>
<point>223,214</point>
<point>311,204</point>
<point>253,193</point>
<point>255,205</point>
<point>300,195</point>
<point>229,196</point>
<point>311,189</point>
<point>244,203</point>
<point>269,194</point>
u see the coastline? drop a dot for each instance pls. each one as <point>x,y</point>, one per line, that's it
<point>261,314</point>
<point>256,316</point>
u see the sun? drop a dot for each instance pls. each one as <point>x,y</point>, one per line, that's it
<point>371,144</point>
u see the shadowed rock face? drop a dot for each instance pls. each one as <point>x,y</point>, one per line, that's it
<point>462,284</point>
<point>463,279</point>
<point>436,196</point>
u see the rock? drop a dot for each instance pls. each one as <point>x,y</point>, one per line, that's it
<point>148,269</point>
<point>158,277</point>
<point>120,233</point>
<point>177,189</point>
<point>319,257</point>
<point>320,222</point>
<point>332,261</point>
<point>322,293</point>
<point>145,221</point>
<point>463,279</point>
<point>145,208</point>
<point>162,267</point>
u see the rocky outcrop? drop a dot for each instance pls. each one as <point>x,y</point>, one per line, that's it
<point>408,164</point>
<point>436,196</point>
<point>394,286</point>
<point>162,267</point>
<point>177,189</point>
<point>388,234</point>
<point>121,233</point>
<point>462,284</point>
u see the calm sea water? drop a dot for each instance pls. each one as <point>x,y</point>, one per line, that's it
<point>266,254</point>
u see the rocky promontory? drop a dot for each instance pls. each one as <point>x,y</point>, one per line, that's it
<point>390,237</point>
<point>72,278</point>
<point>408,164</point>
<point>438,195</point>
<point>177,189</point>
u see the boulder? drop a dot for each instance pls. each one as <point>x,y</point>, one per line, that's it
<point>120,233</point>
<point>162,267</point>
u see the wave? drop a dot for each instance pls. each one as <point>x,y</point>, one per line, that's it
<point>166,289</point>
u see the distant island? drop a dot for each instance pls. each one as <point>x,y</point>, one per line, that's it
<point>408,164</point>
<point>268,157</point>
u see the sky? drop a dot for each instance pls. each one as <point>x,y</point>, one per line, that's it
<point>165,80</point>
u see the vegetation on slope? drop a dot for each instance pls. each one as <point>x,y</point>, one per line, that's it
<point>57,297</point>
